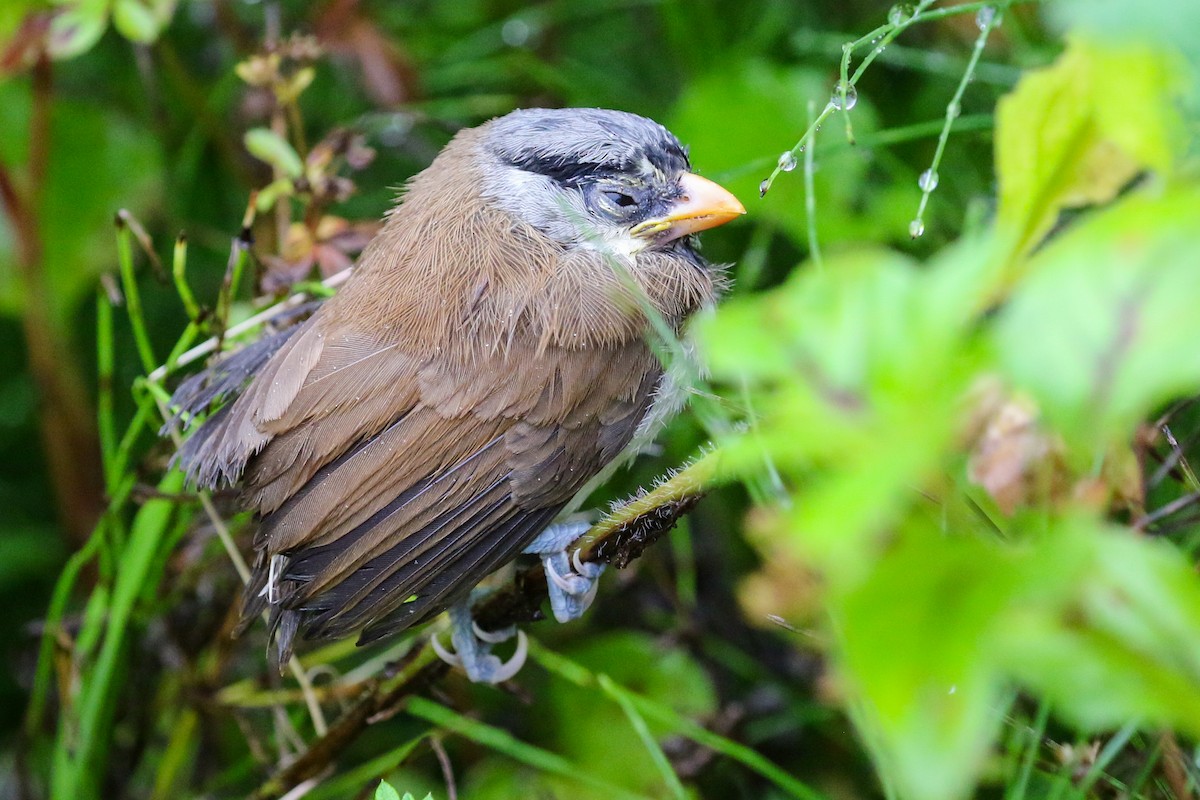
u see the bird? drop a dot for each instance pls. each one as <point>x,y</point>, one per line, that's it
<point>489,358</point>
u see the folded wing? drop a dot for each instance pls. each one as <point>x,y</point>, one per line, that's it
<point>389,482</point>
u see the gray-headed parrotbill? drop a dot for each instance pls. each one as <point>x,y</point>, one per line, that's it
<point>487,358</point>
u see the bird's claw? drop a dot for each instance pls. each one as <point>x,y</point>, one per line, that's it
<point>473,649</point>
<point>571,590</point>
<point>494,637</point>
<point>570,581</point>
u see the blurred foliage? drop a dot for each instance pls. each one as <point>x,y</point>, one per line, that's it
<point>977,573</point>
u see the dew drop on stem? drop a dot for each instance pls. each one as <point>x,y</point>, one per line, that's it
<point>787,161</point>
<point>928,181</point>
<point>986,17</point>
<point>900,13</point>
<point>850,99</point>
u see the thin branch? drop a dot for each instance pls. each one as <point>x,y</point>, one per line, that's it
<point>39,130</point>
<point>1173,507</point>
<point>213,344</point>
<point>435,742</point>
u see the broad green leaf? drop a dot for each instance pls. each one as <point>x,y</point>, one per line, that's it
<point>1105,327</point>
<point>1076,132</point>
<point>1124,642</point>
<point>915,655</point>
<point>268,146</point>
<point>1102,624</point>
<point>856,372</point>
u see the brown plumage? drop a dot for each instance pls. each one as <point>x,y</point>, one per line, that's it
<point>432,418</point>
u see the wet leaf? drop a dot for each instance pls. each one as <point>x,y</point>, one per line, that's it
<point>1078,131</point>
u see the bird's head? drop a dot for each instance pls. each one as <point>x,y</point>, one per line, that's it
<point>598,178</point>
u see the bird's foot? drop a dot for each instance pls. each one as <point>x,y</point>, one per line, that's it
<point>473,648</point>
<point>571,583</point>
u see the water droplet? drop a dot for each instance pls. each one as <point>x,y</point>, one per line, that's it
<point>985,17</point>
<point>787,161</point>
<point>916,228</point>
<point>762,187</point>
<point>901,13</point>
<point>928,181</point>
<point>851,97</point>
<point>953,109</point>
<point>516,32</point>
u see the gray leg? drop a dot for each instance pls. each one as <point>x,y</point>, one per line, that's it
<point>572,587</point>
<point>571,583</point>
<point>473,648</point>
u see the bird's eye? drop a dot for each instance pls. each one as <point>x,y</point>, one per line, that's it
<point>620,198</point>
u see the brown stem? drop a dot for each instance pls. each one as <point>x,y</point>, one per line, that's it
<point>67,426</point>
<point>1174,767</point>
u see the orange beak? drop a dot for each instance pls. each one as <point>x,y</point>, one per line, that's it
<point>704,205</point>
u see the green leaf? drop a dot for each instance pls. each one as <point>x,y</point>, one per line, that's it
<point>1076,132</point>
<point>915,655</point>
<point>1163,23</point>
<point>77,27</point>
<point>548,763</point>
<point>856,372</point>
<point>268,146</point>
<point>385,791</point>
<point>269,195</point>
<point>142,20</point>
<point>1124,641</point>
<point>1104,329</point>
<point>1102,624</point>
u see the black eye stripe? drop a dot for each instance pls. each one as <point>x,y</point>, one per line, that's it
<point>573,174</point>
<point>567,173</point>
